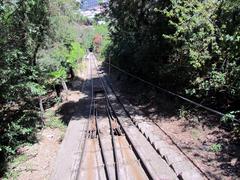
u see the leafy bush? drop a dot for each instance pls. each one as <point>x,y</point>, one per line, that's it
<point>88,34</point>
<point>38,46</point>
<point>190,47</point>
<point>216,148</point>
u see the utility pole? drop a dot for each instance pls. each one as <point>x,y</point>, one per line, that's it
<point>109,66</point>
<point>42,111</point>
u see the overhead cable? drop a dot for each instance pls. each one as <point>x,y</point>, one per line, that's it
<point>172,93</point>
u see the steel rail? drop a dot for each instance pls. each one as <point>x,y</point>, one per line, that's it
<point>139,156</point>
<point>111,113</point>
<point>97,133</point>
<point>88,124</point>
<point>134,122</point>
<point>194,164</point>
<point>128,114</point>
<point>111,131</point>
<point>101,144</point>
<point>85,127</point>
<point>113,144</point>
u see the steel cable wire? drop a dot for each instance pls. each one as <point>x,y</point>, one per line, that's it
<point>172,93</point>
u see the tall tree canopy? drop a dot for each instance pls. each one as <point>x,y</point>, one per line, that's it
<point>39,46</point>
<point>189,46</point>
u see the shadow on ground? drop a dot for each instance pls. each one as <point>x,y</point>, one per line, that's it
<point>79,107</point>
<point>163,108</point>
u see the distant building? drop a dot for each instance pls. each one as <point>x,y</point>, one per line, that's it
<point>90,8</point>
<point>91,4</point>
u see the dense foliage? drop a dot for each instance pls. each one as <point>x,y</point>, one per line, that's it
<point>39,47</point>
<point>188,46</point>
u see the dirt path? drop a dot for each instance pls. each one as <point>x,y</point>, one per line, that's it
<point>40,157</point>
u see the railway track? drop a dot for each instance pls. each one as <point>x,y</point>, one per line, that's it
<point>114,146</point>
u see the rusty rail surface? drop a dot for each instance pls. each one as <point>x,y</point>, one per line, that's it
<point>126,152</point>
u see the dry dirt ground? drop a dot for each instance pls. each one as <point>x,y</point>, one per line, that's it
<point>200,137</point>
<point>201,145</point>
<point>39,158</point>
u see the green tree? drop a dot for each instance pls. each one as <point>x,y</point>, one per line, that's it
<point>38,47</point>
<point>23,28</point>
<point>188,46</point>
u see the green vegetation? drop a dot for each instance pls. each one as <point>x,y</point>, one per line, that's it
<point>103,31</point>
<point>216,148</point>
<point>53,121</point>
<point>15,163</point>
<point>42,44</point>
<point>11,175</point>
<point>88,34</point>
<point>191,47</point>
<point>183,113</point>
<point>39,49</point>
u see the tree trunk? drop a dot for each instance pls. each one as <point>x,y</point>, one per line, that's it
<point>42,111</point>
<point>57,89</point>
<point>65,88</point>
<point>71,72</point>
<point>34,60</point>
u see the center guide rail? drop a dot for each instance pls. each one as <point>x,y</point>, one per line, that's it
<point>152,164</point>
<point>114,146</point>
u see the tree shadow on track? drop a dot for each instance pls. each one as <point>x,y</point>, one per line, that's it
<point>74,110</point>
<point>78,107</point>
